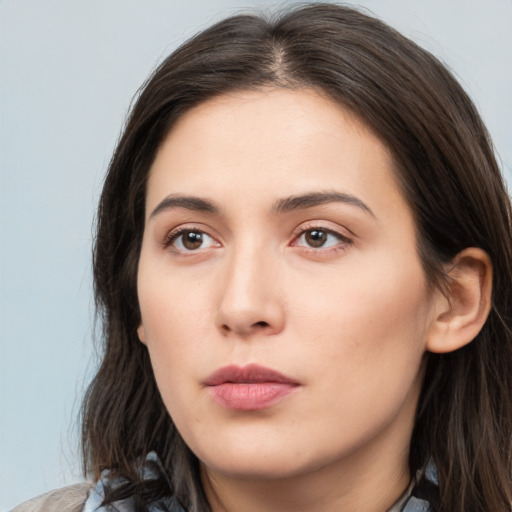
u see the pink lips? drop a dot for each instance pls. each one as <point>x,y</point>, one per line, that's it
<point>250,387</point>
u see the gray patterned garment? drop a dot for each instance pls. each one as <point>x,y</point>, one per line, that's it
<point>417,497</point>
<point>421,494</point>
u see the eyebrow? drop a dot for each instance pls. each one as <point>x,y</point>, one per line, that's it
<point>284,205</point>
<point>310,200</point>
<point>193,203</point>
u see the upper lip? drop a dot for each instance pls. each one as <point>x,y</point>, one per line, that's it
<point>249,374</point>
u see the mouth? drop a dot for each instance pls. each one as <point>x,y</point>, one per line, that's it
<point>250,387</point>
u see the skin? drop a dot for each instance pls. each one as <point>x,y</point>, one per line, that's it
<point>349,320</point>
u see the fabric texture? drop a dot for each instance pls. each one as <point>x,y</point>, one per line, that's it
<point>67,499</point>
<point>87,497</point>
<point>422,492</point>
<point>148,472</point>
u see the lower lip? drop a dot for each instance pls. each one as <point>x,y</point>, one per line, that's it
<point>250,396</point>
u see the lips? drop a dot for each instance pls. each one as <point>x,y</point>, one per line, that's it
<point>250,387</point>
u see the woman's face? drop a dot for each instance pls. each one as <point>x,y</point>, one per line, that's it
<point>283,302</point>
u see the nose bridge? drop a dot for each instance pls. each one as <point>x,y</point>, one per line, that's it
<point>250,299</point>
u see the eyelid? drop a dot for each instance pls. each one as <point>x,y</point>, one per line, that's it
<point>176,232</point>
<point>324,225</point>
<point>344,239</point>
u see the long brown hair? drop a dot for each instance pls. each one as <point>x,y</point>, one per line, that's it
<point>446,167</point>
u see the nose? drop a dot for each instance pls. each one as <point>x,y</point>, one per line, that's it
<point>251,296</point>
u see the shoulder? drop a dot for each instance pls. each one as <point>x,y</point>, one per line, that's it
<point>67,499</point>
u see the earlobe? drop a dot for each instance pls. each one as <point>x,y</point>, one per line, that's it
<point>461,310</point>
<point>141,332</point>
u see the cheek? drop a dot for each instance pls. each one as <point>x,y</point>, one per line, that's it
<point>168,304</point>
<point>174,324</point>
<point>176,318</point>
<point>364,352</point>
<point>370,323</point>
<point>174,347</point>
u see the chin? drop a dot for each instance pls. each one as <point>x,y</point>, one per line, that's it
<point>259,463</point>
<point>262,468</point>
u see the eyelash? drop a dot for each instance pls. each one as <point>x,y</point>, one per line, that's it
<point>343,242</point>
<point>174,235</point>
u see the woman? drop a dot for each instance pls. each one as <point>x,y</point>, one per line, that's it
<point>303,266</point>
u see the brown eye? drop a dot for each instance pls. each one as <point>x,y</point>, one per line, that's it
<point>192,240</point>
<point>322,239</point>
<point>315,237</point>
<point>189,240</point>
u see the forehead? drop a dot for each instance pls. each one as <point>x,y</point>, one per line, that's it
<point>263,145</point>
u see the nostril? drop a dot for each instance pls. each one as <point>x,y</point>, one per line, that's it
<point>256,325</point>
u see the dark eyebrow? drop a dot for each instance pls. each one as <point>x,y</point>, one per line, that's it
<point>304,201</point>
<point>196,204</point>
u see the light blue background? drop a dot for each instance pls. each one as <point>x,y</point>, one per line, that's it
<point>68,69</point>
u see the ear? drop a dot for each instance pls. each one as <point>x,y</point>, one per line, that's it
<point>141,332</point>
<point>461,310</point>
